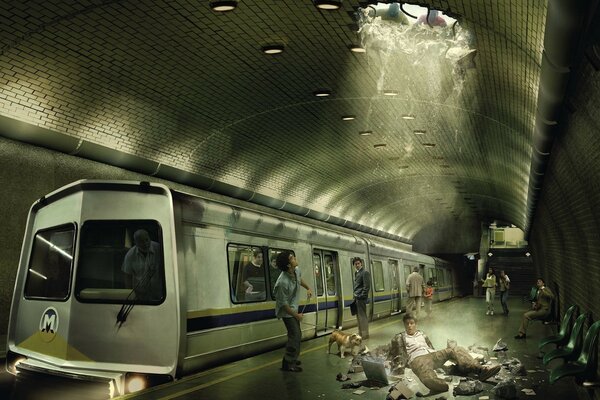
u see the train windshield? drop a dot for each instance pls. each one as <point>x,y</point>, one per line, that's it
<point>120,262</point>
<point>51,264</point>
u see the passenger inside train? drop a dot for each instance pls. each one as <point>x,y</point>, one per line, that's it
<point>254,277</point>
<point>141,264</point>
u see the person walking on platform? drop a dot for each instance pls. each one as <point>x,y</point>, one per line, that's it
<point>489,283</point>
<point>287,291</point>
<point>415,289</point>
<point>504,286</point>
<point>362,286</point>
<point>413,349</point>
<point>540,308</point>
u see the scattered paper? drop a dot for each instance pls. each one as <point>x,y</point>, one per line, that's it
<point>358,391</point>
<point>528,392</point>
<point>484,397</point>
<point>448,363</point>
<point>493,358</point>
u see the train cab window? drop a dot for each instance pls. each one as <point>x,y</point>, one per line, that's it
<point>50,264</point>
<point>274,270</point>
<point>378,276</point>
<point>247,273</point>
<point>121,261</point>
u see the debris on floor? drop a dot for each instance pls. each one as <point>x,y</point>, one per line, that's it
<point>342,377</point>
<point>506,390</point>
<point>528,392</point>
<point>468,387</point>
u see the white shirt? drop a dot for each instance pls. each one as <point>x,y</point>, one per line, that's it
<point>416,346</point>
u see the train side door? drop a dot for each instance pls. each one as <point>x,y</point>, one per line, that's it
<point>329,306</point>
<point>396,285</point>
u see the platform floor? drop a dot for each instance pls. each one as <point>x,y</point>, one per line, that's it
<point>463,320</point>
<point>259,377</point>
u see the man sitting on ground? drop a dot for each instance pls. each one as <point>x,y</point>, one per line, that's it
<point>413,349</point>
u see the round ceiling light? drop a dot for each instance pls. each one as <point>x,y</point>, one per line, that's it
<point>355,48</point>
<point>223,6</point>
<point>273,49</point>
<point>328,4</point>
<point>322,93</point>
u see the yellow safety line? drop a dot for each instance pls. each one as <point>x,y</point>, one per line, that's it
<point>226,378</point>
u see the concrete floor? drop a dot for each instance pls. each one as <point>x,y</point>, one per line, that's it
<point>259,377</point>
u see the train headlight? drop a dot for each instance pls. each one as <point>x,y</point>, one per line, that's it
<point>12,361</point>
<point>135,384</point>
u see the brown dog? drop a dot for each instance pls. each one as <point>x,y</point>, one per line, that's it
<point>345,342</point>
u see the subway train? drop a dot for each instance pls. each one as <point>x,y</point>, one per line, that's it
<point>135,284</point>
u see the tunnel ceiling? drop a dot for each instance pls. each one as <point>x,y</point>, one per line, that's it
<point>182,85</point>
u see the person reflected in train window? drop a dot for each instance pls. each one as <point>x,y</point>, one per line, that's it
<point>254,277</point>
<point>413,349</point>
<point>362,286</point>
<point>504,282</point>
<point>330,279</point>
<point>489,283</point>
<point>287,293</point>
<point>415,288</point>
<point>141,265</point>
<point>428,297</point>
<point>540,308</point>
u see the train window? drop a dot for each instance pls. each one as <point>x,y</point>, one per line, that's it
<point>50,264</point>
<point>120,261</point>
<point>329,274</point>
<point>274,271</point>
<point>431,277</point>
<point>440,277</point>
<point>378,276</point>
<point>407,271</point>
<point>247,273</point>
<point>393,265</point>
<point>318,273</point>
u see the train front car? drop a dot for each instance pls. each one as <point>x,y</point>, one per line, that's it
<point>96,296</point>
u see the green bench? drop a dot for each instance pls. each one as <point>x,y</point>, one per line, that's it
<point>573,347</point>
<point>584,368</point>
<point>562,337</point>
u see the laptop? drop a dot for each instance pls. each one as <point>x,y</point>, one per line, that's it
<point>375,370</point>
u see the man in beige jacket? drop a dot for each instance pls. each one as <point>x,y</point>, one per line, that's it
<point>415,288</point>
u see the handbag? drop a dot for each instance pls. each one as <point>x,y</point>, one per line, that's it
<point>353,307</point>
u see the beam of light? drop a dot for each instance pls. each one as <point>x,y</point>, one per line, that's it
<point>55,247</point>
<point>33,271</point>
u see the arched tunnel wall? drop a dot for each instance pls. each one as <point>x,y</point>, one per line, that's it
<point>564,236</point>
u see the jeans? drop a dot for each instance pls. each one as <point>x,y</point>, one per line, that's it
<point>489,298</point>
<point>424,366</point>
<point>503,300</point>
<point>292,348</point>
<point>361,316</point>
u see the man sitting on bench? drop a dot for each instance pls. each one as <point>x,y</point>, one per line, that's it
<point>540,308</point>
